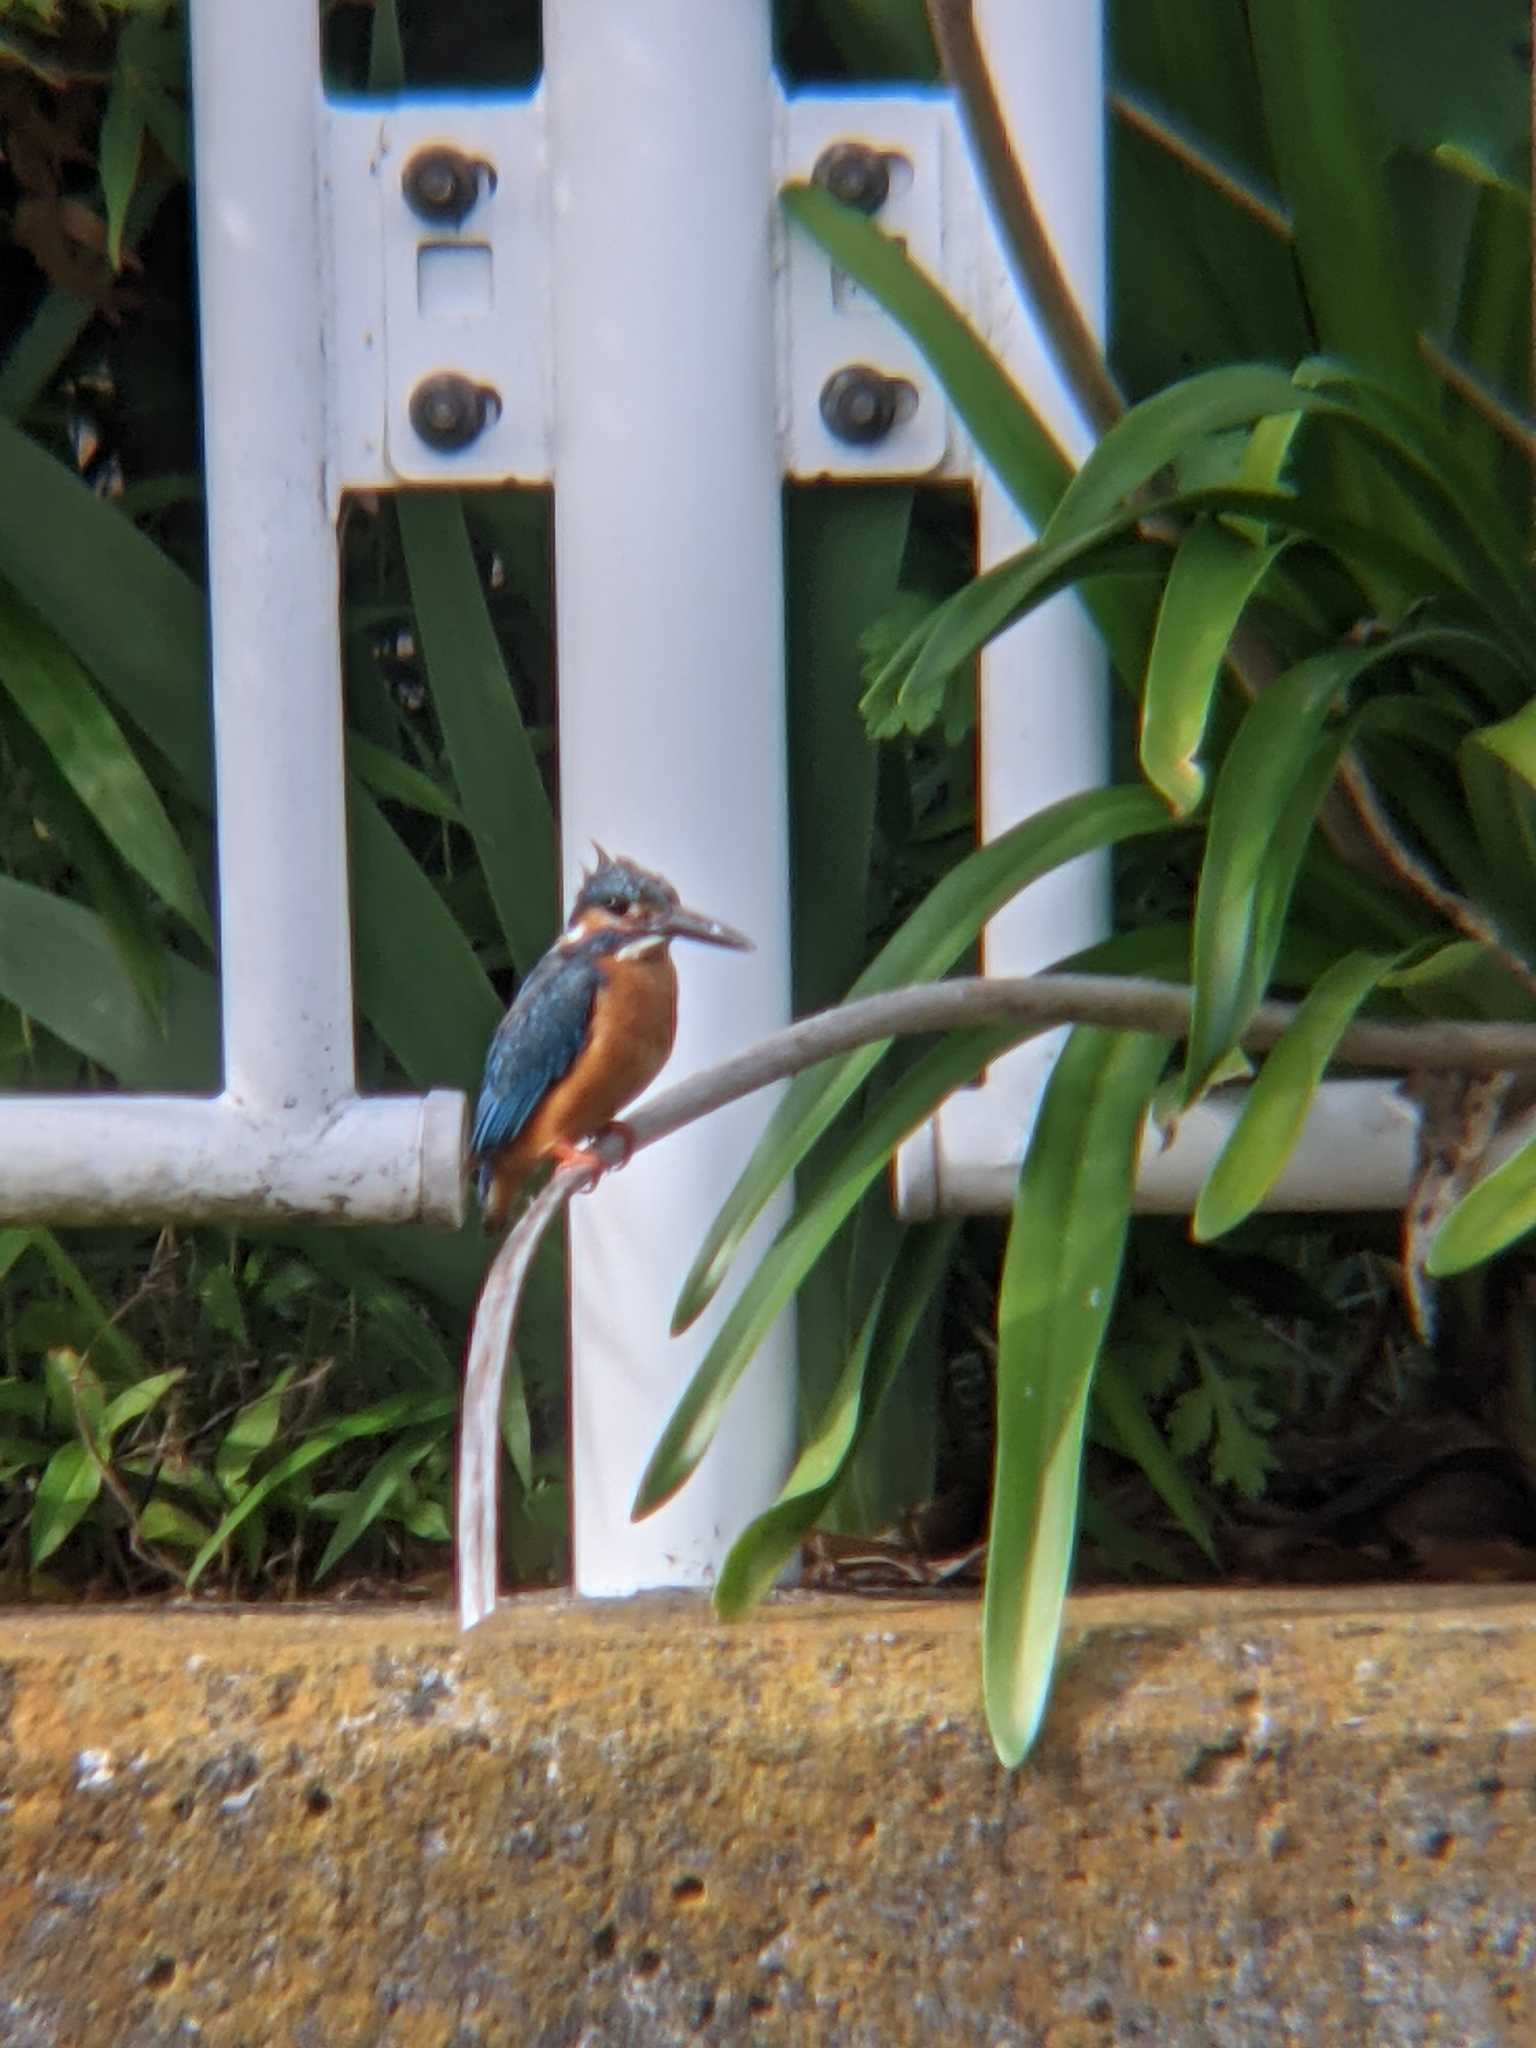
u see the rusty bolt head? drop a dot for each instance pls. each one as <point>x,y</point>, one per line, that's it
<point>440,185</point>
<point>859,405</point>
<point>448,411</point>
<point>854,173</point>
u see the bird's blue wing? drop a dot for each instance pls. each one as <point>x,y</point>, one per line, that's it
<point>535,1043</point>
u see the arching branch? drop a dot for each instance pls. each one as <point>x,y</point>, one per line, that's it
<point>1037,1002</point>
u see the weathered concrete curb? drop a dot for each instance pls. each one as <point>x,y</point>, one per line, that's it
<point>1253,1819</point>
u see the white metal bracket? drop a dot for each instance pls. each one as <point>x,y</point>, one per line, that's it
<point>466,295</point>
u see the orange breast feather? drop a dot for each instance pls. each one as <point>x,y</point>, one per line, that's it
<point>634,1021</point>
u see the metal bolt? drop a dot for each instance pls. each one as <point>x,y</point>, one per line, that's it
<point>448,411</point>
<point>854,173</point>
<point>441,185</point>
<point>859,404</point>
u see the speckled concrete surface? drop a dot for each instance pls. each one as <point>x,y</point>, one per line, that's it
<point>1253,1820</point>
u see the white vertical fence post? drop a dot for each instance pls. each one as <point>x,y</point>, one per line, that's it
<point>1043,694</point>
<point>285,941</point>
<point>669,589</point>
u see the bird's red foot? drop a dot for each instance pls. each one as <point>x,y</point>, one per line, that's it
<point>580,1155</point>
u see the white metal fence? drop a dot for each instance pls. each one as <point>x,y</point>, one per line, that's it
<point>610,303</point>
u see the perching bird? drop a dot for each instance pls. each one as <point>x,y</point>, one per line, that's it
<point>591,1026</point>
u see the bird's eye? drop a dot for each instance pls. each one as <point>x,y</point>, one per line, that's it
<point>620,906</point>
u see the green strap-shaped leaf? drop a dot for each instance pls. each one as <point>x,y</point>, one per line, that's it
<point>1250,858</point>
<point>1454,507</point>
<point>57,699</point>
<point>1214,574</point>
<point>1321,114</point>
<point>418,981</point>
<point>909,691</point>
<point>386,775</point>
<point>1272,780</point>
<point>135,622</point>
<point>766,1545</point>
<point>1276,1105</point>
<point>1062,1266</point>
<point>1157,432</point>
<point>493,763</point>
<point>59,964</point>
<point>1500,1209</point>
<point>1009,434</point>
<point>1503,809</point>
<point>691,1427</point>
<point>926,946</point>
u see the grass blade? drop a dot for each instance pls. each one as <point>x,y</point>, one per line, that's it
<point>402,1411</point>
<point>1062,1266</point>
<point>373,1494</point>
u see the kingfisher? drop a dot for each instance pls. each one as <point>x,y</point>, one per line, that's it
<point>591,1026</point>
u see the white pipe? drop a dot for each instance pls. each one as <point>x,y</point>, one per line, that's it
<point>178,1158</point>
<point>1043,701</point>
<point>1356,1151</point>
<point>285,938</point>
<point>670,605</point>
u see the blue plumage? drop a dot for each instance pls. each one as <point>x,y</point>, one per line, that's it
<point>535,1044</point>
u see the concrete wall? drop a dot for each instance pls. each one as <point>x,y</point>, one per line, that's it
<point>1252,1820</point>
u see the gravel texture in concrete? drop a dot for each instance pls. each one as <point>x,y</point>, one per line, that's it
<point>1253,1819</point>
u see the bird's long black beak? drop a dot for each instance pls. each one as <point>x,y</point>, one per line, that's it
<point>692,924</point>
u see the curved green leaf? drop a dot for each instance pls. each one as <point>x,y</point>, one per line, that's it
<point>1500,1209</point>
<point>386,775</point>
<point>1261,813</point>
<point>1214,574</point>
<point>765,1546</point>
<point>692,1424</point>
<point>1272,780</point>
<point>926,946</point>
<point>1062,1266</point>
<point>1276,1105</point>
<point>1007,431</point>
<point>1157,432</point>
